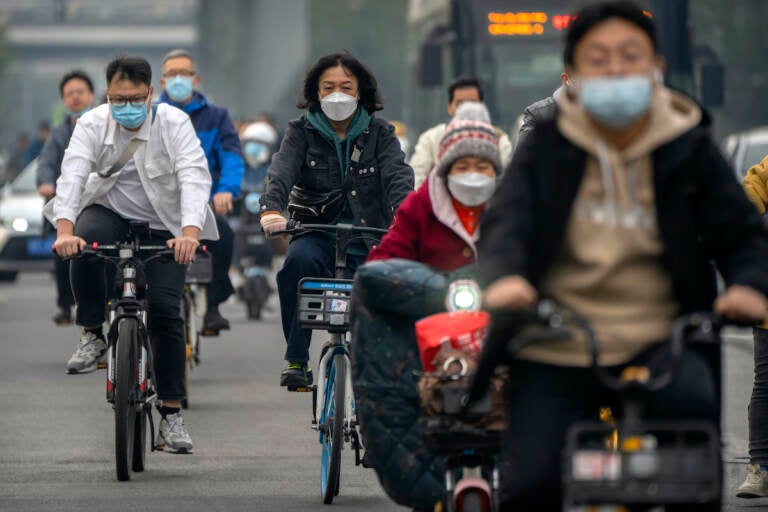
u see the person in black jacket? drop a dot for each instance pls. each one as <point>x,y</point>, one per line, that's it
<point>76,90</point>
<point>615,210</point>
<point>338,148</point>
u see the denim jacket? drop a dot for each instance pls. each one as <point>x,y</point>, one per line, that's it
<point>374,186</point>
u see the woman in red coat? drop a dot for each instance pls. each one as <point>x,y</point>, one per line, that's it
<point>437,224</point>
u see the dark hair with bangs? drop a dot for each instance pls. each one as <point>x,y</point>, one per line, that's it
<point>135,69</point>
<point>368,87</point>
<point>75,74</point>
<point>590,16</point>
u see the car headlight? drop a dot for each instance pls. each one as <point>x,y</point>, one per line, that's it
<point>463,295</point>
<point>20,224</point>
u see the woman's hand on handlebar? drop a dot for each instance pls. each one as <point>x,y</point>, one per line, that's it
<point>184,248</point>
<point>742,303</point>
<point>272,222</point>
<point>509,292</point>
<point>67,246</point>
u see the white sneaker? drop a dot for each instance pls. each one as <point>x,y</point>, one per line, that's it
<point>87,354</point>
<point>173,436</point>
<point>756,483</point>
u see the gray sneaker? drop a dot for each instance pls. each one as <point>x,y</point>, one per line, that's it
<point>756,483</point>
<point>87,354</point>
<point>173,436</point>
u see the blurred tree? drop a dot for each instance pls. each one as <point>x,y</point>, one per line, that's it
<point>374,32</point>
<point>735,30</point>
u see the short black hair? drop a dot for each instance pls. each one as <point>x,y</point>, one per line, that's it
<point>590,16</point>
<point>75,74</point>
<point>465,81</point>
<point>367,86</point>
<point>135,69</point>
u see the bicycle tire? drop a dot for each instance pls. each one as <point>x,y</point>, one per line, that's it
<point>187,312</point>
<point>333,429</point>
<point>125,396</point>
<point>472,501</point>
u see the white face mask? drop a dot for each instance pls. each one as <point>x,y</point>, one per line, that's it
<point>471,188</point>
<point>338,106</point>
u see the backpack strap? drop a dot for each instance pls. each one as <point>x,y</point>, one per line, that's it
<point>128,152</point>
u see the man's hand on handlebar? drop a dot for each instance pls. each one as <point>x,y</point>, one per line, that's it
<point>222,203</point>
<point>184,248</point>
<point>67,246</point>
<point>272,222</point>
<point>741,303</point>
<point>509,292</point>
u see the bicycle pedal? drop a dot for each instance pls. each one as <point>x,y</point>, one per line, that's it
<point>209,332</point>
<point>300,389</point>
<point>101,366</point>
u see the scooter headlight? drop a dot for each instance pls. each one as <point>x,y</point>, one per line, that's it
<point>463,295</point>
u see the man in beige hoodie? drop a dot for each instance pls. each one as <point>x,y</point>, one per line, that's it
<point>614,209</point>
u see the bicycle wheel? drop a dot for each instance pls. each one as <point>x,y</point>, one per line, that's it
<point>473,501</point>
<point>125,396</point>
<point>187,314</point>
<point>333,429</point>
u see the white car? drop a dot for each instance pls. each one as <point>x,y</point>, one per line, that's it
<point>22,245</point>
<point>746,149</point>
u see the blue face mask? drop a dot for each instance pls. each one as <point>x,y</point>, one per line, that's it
<point>179,88</point>
<point>256,153</point>
<point>616,102</point>
<point>129,116</point>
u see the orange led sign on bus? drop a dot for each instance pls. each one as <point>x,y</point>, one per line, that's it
<point>534,23</point>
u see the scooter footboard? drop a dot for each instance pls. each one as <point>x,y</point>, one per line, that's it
<point>659,463</point>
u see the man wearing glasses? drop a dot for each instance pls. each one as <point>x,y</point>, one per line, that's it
<point>221,144</point>
<point>127,161</point>
<point>76,90</point>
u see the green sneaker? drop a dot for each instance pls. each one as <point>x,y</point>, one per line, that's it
<point>296,376</point>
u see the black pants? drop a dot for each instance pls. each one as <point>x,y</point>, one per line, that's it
<point>64,297</point>
<point>758,403</point>
<point>545,400</point>
<point>220,287</point>
<point>310,255</point>
<point>92,283</point>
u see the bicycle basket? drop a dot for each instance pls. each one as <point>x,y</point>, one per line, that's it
<point>324,304</point>
<point>200,271</point>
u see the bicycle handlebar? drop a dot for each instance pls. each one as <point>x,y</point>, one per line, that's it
<point>295,227</point>
<point>698,328</point>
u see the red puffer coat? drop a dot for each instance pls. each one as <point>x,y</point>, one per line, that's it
<point>428,229</point>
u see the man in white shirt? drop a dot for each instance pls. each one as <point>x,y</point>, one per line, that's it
<point>165,183</point>
<point>425,153</point>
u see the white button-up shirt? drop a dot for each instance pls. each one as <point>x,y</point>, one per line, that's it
<point>171,165</point>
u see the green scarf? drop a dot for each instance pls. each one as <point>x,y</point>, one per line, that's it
<point>359,124</point>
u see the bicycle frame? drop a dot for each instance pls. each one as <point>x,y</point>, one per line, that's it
<point>337,346</point>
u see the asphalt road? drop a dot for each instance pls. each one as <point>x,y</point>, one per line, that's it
<point>254,449</point>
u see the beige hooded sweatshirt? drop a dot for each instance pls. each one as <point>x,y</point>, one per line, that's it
<point>609,268</point>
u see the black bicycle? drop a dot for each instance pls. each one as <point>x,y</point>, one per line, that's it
<point>630,460</point>
<point>130,375</point>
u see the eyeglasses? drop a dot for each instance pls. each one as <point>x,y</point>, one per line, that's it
<point>135,101</point>
<point>180,72</point>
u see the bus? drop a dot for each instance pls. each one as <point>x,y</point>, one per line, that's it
<point>515,48</point>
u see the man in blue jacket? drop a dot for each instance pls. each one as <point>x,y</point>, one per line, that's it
<point>221,144</point>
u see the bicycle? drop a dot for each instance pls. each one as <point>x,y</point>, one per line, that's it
<point>630,461</point>
<point>130,386</point>
<point>199,273</point>
<point>324,304</point>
